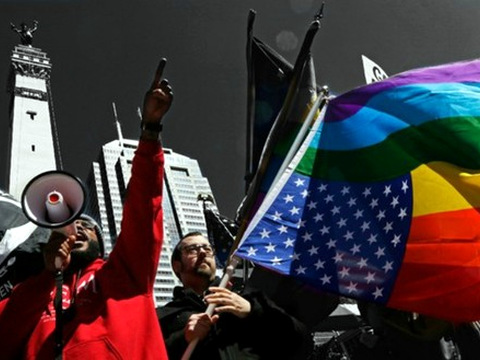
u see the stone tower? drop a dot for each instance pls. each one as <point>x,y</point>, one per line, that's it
<point>33,141</point>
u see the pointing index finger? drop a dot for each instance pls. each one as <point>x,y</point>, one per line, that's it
<point>158,74</point>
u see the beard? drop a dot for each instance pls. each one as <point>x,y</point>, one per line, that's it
<point>81,258</point>
<point>206,272</point>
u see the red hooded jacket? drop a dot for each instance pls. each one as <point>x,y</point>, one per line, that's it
<point>114,314</point>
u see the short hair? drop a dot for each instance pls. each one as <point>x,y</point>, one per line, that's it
<point>177,253</point>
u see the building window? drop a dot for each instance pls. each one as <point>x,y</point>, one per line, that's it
<point>31,114</point>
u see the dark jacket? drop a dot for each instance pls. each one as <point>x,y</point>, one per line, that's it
<point>267,332</point>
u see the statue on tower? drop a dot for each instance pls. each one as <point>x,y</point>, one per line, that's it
<point>26,33</point>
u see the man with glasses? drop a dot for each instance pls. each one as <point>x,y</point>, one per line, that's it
<point>243,326</point>
<point>105,307</point>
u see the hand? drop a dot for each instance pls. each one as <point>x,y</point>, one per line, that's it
<point>158,99</point>
<point>228,301</point>
<point>198,326</point>
<point>58,250</point>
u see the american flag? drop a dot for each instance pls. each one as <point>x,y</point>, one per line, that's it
<point>342,237</point>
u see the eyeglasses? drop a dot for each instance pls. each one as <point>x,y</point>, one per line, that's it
<point>194,249</point>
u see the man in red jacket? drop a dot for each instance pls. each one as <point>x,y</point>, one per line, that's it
<point>108,308</point>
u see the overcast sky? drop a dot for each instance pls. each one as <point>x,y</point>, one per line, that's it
<point>107,51</point>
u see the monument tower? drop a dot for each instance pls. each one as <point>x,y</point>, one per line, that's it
<point>33,141</point>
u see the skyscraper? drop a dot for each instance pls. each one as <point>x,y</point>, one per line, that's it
<point>183,213</point>
<point>33,141</point>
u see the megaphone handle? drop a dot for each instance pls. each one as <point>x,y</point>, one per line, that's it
<point>58,263</point>
<point>58,314</point>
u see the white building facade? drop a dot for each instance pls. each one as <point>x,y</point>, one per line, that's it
<point>183,213</point>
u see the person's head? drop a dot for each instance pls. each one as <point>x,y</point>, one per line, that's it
<point>89,244</point>
<point>193,261</point>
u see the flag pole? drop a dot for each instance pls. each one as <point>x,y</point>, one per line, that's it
<point>229,271</point>
<point>234,260</point>
<point>265,203</point>
<point>298,69</point>
<point>250,100</point>
<point>319,14</point>
<point>317,105</point>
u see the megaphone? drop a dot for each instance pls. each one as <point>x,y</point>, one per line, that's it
<point>54,199</point>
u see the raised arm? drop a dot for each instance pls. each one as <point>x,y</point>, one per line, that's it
<point>156,103</point>
<point>134,259</point>
<point>14,28</point>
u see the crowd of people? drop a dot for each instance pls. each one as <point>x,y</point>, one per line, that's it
<point>104,308</point>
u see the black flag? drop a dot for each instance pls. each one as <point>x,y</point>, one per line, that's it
<point>20,245</point>
<point>221,233</point>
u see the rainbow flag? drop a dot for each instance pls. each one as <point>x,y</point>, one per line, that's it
<point>381,203</point>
